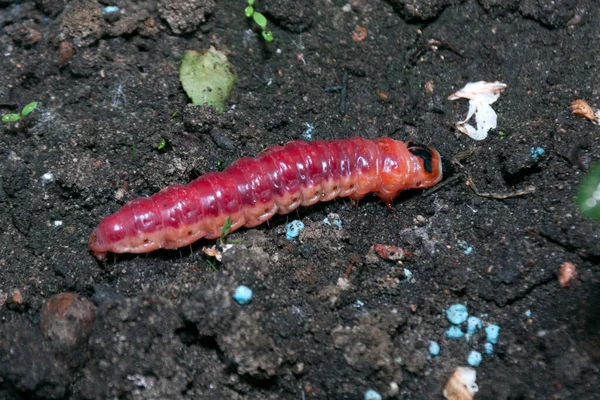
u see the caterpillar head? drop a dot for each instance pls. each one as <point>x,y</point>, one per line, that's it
<point>430,161</point>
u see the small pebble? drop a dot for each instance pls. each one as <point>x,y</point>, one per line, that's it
<point>372,395</point>
<point>434,348</point>
<point>489,348</point>
<point>474,358</point>
<point>67,320</point>
<point>473,325</point>
<point>454,332</point>
<point>243,294</point>
<point>491,333</point>
<point>457,314</point>
<point>292,230</point>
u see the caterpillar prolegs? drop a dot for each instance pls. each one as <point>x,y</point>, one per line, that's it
<point>252,190</point>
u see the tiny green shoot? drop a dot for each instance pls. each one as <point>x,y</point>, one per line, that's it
<point>133,147</point>
<point>260,20</point>
<point>225,230</point>
<point>162,144</point>
<point>175,114</point>
<point>212,264</point>
<point>28,109</point>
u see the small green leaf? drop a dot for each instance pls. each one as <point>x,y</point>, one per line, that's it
<point>260,19</point>
<point>588,198</point>
<point>268,36</point>
<point>249,11</point>
<point>250,2</point>
<point>176,113</point>
<point>225,230</point>
<point>29,108</point>
<point>11,118</point>
<point>162,144</point>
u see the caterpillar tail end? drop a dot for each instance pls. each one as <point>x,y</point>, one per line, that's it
<point>95,247</point>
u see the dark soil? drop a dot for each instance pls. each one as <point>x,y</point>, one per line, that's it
<point>165,326</point>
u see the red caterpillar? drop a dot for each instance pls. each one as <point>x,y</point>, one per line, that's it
<point>252,190</point>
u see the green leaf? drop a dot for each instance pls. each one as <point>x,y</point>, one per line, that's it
<point>588,198</point>
<point>250,2</point>
<point>268,36</point>
<point>11,118</point>
<point>249,11</point>
<point>175,114</point>
<point>207,78</point>
<point>29,108</point>
<point>162,144</point>
<point>225,230</point>
<point>260,19</point>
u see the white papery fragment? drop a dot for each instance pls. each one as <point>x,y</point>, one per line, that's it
<point>480,95</point>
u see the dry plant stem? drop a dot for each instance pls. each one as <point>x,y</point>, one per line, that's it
<point>499,196</point>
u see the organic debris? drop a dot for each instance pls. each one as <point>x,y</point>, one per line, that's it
<point>481,95</point>
<point>462,384</point>
<point>582,109</point>
<point>207,78</point>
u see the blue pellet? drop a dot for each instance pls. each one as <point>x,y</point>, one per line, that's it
<point>474,358</point>
<point>457,314</point>
<point>243,294</point>
<point>454,332</point>
<point>372,395</point>
<point>292,230</point>
<point>491,333</point>
<point>434,348</point>
<point>473,325</point>
<point>489,348</point>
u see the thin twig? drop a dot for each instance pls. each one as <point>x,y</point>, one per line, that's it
<point>499,196</point>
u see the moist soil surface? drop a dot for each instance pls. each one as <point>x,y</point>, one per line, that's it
<point>330,318</point>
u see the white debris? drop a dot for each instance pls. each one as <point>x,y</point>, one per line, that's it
<point>480,95</point>
<point>57,224</point>
<point>47,178</point>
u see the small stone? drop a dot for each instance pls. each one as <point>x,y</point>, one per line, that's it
<point>15,297</point>
<point>67,320</point>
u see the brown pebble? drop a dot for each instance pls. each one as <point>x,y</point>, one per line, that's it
<point>67,320</point>
<point>568,275</point>
<point>66,52</point>
<point>16,297</point>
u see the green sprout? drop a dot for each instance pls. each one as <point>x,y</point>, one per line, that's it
<point>28,109</point>
<point>225,230</point>
<point>260,20</point>
<point>162,144</point>
<point>588,198</point>
<point>212,264</point>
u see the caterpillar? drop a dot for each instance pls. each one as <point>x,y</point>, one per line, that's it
<point>252,190</point>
